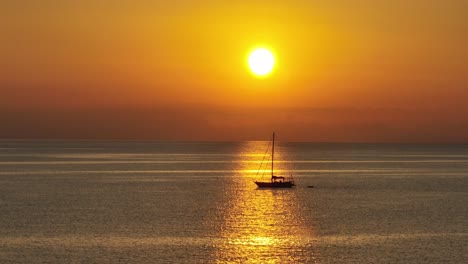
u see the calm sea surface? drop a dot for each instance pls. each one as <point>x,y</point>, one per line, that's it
<point>195,202</point>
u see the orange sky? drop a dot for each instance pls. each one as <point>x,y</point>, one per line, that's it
<point>348,71</point>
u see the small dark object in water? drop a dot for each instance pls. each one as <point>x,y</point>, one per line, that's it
<point>310,186</point>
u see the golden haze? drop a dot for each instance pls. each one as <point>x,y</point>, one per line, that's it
<point>363,71</point>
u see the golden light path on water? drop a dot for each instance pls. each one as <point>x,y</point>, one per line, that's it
<point>262,225</point>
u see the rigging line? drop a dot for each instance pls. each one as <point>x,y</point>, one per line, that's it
<point>264,155</point>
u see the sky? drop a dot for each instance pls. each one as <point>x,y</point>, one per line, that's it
<point>346,71</point>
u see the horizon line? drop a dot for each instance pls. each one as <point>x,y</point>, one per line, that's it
<point>239,141</point>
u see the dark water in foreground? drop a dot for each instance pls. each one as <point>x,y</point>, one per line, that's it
<point>179,202</point>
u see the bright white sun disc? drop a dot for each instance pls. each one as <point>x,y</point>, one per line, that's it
<point>261,61</point>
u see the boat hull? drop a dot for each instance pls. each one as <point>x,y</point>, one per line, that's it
<point>285,184</point>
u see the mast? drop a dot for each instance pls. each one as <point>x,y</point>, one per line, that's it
<point>272,154</point>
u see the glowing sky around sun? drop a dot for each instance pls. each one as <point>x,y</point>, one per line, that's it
<point>344,70</point>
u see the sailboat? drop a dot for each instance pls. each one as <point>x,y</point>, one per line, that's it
<point>276,181</point>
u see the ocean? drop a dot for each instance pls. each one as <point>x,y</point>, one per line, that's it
<point>196,202</point>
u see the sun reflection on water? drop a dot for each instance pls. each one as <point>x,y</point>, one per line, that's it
<point>261,225</point>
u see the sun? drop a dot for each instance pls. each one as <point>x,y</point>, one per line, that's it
<point>261,62</point>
